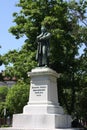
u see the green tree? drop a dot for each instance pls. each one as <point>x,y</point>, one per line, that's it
<point>62,19</point>
<point>53,14</point>
<point>3,94</point>
<point>17,97</point>
<point>81,95</point>
<point>83,104</point>
<point>21,62</point>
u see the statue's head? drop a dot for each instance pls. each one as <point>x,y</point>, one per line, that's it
<point>43,29</point>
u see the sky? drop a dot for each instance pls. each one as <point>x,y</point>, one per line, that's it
<point>7,40</point>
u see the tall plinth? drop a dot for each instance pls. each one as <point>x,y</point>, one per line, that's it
<point>43,110</point>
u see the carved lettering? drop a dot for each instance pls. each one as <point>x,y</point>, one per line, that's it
<point>39,90</point>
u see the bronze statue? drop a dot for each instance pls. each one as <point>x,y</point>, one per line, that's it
<point>43,47</point>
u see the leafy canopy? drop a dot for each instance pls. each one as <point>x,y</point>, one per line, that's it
<point>17,97</point>
<point>67,23</point>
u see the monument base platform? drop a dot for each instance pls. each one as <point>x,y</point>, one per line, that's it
<point>45,121</point>
<point>43,110</point>
<point>11,128</point>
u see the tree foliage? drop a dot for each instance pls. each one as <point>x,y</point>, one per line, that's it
<point>3,94</point>
<point>17,97</point>
<point>67,23</point>
<point>83,104</point>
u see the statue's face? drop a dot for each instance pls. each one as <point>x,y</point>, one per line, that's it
<point>43,29</point>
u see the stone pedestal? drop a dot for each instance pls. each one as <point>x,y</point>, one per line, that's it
<point>43,110</point>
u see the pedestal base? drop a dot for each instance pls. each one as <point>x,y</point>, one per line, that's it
<point>10,128</point>
<point>41,121</point>
<point>43,110</point>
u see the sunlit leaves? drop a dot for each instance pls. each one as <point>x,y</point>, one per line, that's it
<point>66,21</point>
<point>17,97</point>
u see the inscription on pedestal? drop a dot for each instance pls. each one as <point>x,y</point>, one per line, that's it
<point>39,90</point>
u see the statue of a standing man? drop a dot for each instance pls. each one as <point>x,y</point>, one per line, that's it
<point>43,47</point>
